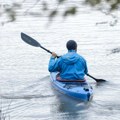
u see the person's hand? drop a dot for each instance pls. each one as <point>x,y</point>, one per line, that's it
<point>54,54</point>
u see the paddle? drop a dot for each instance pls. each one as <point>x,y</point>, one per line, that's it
<point>97,80</point>
<point>33,42</point>
<point>29,40</point>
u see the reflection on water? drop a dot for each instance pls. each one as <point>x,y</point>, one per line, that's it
<point>25,89</point>
<point>64,106</point>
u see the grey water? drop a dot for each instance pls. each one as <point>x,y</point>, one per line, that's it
<point>25,89</point>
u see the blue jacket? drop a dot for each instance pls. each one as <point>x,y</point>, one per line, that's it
<point>71,66</point>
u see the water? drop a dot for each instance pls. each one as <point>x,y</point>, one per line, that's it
<point>25,89</point>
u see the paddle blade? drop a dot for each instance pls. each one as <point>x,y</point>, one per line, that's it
<point>29,40</point>
<point>100,80</point>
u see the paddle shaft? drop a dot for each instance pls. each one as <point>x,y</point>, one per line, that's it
<point>90,76</point>
<point>45,49</point>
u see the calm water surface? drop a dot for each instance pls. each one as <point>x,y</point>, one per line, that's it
<point>25,89</point>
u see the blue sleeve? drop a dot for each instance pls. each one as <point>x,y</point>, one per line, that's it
<point>86,68</point>
<point>53,64</point>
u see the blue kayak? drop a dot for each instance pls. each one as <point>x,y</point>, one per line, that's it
<point>78,90</point>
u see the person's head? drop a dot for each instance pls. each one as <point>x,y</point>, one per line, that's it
<point>71,45</point>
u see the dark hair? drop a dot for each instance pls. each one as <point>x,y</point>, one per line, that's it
<point>71,45</point>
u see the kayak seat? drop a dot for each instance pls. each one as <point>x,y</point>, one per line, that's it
<point>58,78</point>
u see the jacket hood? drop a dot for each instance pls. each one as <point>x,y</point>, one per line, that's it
<point>70,58</point>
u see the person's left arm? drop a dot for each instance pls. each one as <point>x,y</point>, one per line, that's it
<point>86,68</point>
<point>53,63</point>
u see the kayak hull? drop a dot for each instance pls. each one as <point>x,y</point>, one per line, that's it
<point>77,90</point>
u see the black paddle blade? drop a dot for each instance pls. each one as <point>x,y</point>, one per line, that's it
<point>100,80</point>
<point>29,40</point>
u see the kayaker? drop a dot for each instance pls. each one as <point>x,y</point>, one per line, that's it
<point>71,66</point>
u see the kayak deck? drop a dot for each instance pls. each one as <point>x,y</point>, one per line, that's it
<point>78,90</point>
